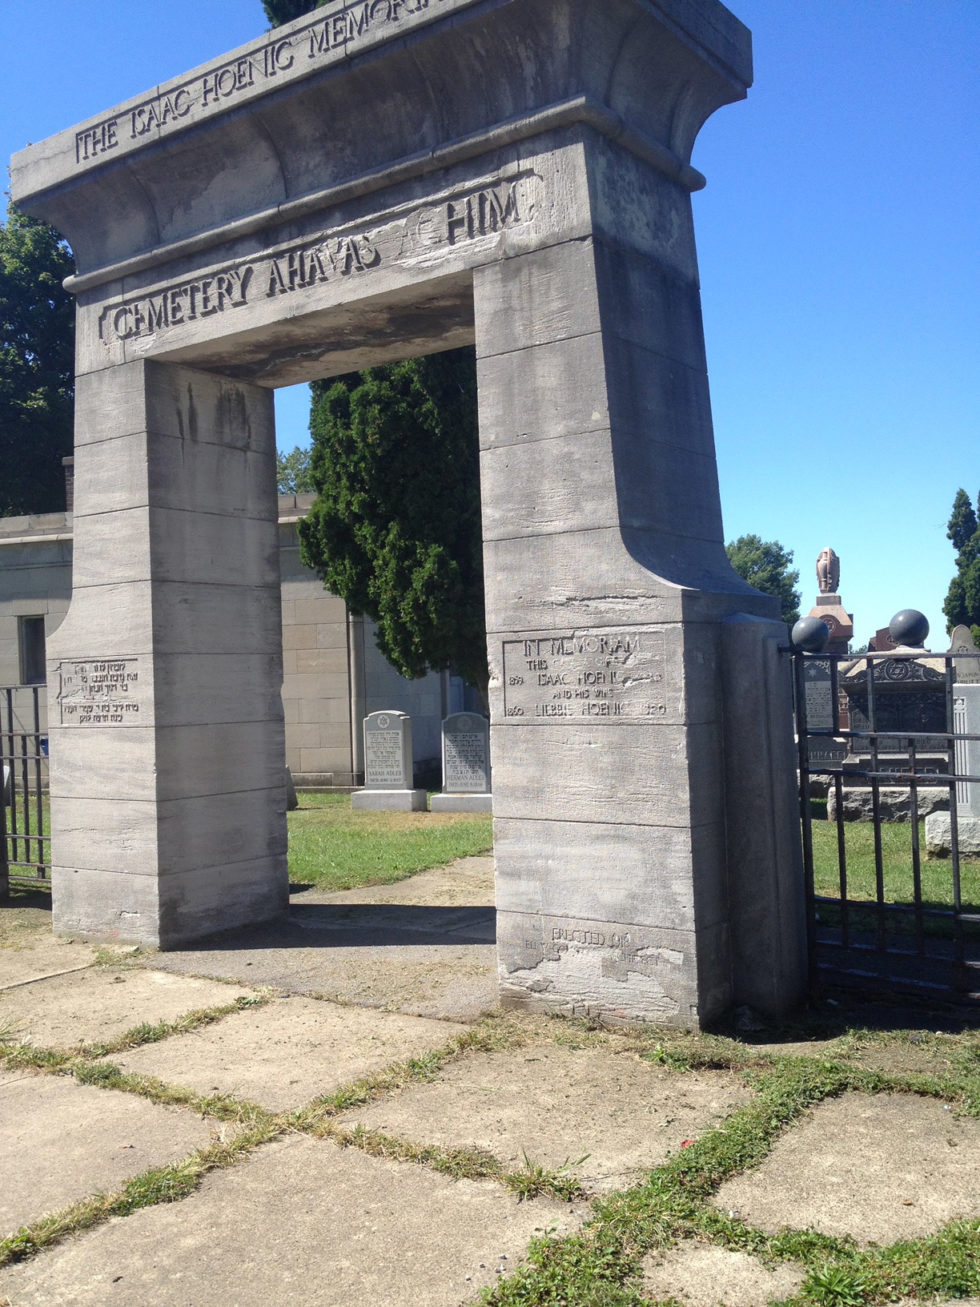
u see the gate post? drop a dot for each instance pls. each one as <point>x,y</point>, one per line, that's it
<point>644,809</point>
<point>166,733</point>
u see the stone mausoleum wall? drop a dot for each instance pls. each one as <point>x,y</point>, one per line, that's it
<point>333,675</point>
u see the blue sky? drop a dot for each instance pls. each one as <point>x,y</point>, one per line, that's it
<point>838,244</point>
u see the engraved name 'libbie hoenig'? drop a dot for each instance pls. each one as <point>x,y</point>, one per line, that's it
<point>457,219</point>
<point>586,676</point>
<point>335,32</point>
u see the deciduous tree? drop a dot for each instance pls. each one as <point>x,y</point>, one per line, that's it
<point>37,365</point>
<point>293,472</point>
<point>766,565</point>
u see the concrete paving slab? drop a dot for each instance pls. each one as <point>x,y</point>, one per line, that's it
<point>430,960</point>
<point>706,1276</point>
<point>423,945</point>
<point>40,954</point>
<point>620,1113</point>
<point>288,1052</point>
<point>88,1007</point>
<point>61,1141</point>
<point>879,1168</point>
<point>301,1221</point>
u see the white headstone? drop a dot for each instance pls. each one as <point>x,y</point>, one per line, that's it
<point>465,765</point>
<point>966,721</point>
<point>967,668</point>
<point>388,765</point>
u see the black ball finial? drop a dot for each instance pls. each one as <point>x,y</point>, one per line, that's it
<point>811,635</point>
<point>909,627</point>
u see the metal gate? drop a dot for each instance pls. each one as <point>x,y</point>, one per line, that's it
<point>893,895</point>
<point>24,825</point>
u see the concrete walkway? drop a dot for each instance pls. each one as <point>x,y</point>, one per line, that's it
<point>225,1064</point>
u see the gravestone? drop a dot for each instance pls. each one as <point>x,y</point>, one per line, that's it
<point>966,721</point>
<point>374,181</point>
<point>465,765</point>
<point>818,688</point>
<point>967,665</point>
<point>388,765</point>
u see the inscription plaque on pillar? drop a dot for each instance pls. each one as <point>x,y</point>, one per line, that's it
<point>100,692</point>
<point>586,676</point>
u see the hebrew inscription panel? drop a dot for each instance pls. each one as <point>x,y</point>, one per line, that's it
<point>100,692</point>
<point>586,676</point>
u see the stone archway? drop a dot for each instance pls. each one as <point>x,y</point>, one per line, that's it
<point>379,179</point>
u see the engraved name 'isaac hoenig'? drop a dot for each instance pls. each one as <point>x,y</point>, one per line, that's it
<point>334,31</point>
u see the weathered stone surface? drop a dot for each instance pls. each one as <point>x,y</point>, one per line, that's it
<point>894,804</point>
<point>97,1004</point>
<point>256,1234</point>
<point>603,1115</point>
<point>288,1052</point>
<point>62,1141</point>
<point>939,835</point>
<point>537,202</point>
<point>704,1275</point>
<point>818,1174</point>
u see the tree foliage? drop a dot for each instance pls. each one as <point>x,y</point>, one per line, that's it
<point>37,365</point>
<point>284,11</point>
<point>962,603</point>
<point>395,529</point>
<point>293,472</point>
<point>766,565</point>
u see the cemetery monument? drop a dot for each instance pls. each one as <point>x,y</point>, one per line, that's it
<point>373,181</point>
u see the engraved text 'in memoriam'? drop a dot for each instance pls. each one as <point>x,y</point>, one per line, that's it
<point>99,692</point>
<point>586,676</point>
<point>334,32</point>
<point>457,219</point>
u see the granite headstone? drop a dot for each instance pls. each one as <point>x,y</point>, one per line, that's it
<point>388,765</point>
<point>465,765</point>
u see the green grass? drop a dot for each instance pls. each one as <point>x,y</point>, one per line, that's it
<point>936,877</point>
<point>333,847</point>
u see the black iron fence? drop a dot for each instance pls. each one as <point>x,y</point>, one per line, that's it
<point>25,840</point>
<point>889,762</point>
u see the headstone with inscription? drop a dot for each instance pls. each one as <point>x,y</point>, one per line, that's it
<point>646,838</point>
<point>819,686</point>
<point>388,765</point>
<point>966,658</point>
<point>966,723</point>
<point>465,765</point>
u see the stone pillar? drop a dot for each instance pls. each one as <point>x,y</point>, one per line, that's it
<point>608,591</point>
<point>167,753</point>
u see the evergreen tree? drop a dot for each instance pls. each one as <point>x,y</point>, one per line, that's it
<point>962,603</point>
<point>37,365</point>
<point>765,564</point>
<point>395,529</point>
